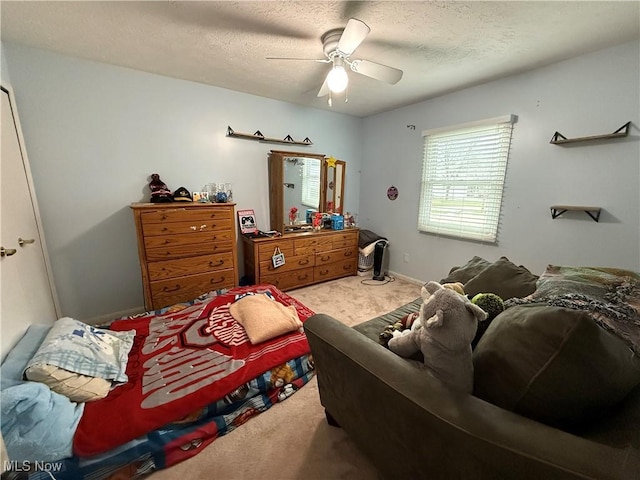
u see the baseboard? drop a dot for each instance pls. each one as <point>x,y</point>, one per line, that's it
<point>406,278</point>
<point>110,317</point>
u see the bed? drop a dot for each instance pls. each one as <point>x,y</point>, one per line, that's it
<point>194,372</point>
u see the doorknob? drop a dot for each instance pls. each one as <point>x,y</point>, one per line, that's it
<point>22,241</point>
<point>7,252</point>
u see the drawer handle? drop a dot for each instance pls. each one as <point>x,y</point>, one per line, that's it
<point>348,253</point>
<point>213,280</point>
<point>325,258</point>
<point>167,289</point>
<point>324,272</point>
<point>303,262</point>
<point>346,267</point>
<point>220,262</point>
<point>303,277</point>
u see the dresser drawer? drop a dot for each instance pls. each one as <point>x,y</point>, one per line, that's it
<point>266,250</point>
<point>189,227</point>
<point>291,279</point>
<point>181,289</point>
<point>186,215</point>
<point>305,246</point>
<point>187,250</point>
<point>333,256</point>
<point>187,239</point>
<point>341,240</point>
<point>189,266</point>
<point>335,270</point>
<point>294,262</point>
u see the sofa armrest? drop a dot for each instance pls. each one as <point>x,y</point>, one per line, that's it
<point>412,426</point>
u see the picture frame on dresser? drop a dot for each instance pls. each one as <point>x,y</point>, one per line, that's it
<point>185,250</point>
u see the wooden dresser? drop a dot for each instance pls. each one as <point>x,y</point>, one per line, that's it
<point>310,257</point>
<point>185,250</point>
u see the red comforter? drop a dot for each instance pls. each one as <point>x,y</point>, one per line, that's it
<point>180,362</point>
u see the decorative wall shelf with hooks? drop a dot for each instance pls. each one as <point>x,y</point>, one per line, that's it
<point>261,138</point>
<point>559,139</point>
<point>593,212</point>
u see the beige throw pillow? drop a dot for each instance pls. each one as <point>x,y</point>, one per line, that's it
<point>75,386</point>
<point>264,318</point>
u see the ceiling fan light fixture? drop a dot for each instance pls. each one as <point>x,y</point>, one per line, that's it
<point>337,79</point>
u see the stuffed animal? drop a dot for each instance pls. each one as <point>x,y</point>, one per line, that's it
<point>408,320</point>
<point>405,322</point>
<point>493,305</point>
<point>443,333</point>
<point>455,286</point>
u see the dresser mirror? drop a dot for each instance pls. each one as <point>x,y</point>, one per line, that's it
<point>334,185</point>
<point>296,181</point>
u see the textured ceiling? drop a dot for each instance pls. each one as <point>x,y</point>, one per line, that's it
<point>440,46</point>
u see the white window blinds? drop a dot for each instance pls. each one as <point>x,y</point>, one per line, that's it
<point>311,184</point>
<point>463,178</point>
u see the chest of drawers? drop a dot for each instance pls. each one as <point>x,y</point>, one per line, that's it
<point>185,250</point>
<point>309,258</point>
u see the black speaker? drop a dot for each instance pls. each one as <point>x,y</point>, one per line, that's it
<point>379,254</point>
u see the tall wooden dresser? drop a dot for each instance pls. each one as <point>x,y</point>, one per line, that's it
<point>185,250</point>
<point>310,257</point>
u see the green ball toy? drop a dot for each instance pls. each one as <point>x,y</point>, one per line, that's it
<point>490,303</point>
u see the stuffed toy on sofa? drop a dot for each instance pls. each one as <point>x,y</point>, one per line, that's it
<point>443,333</point>
<point>408,320</point>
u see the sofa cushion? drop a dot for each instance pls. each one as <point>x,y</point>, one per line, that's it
<point>503,278</point>
<point>467,271</point>
<point>553,364</point>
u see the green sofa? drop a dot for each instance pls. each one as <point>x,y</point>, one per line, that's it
<point>564,420</point>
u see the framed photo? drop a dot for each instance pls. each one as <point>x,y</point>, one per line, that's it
<point>247,221</point>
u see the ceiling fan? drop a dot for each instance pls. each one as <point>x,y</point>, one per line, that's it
<point>338,46</point>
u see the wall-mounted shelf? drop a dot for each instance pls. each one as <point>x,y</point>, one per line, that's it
<point>593,212</point>
<point>559,139</point>
<point>261,138</point>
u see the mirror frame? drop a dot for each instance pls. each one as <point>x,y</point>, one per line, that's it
<point>276,187</point>
<point>325,175</point>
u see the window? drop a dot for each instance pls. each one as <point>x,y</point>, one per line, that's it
<point>463,178</point>
<point>311,183</point>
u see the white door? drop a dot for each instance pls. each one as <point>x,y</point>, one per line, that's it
<point>26,293</point>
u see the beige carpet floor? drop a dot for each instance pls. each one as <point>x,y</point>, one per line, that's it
<point>292,439</point>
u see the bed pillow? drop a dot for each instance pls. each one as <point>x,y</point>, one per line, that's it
<point>553,364</point>
<point>37,423</point>
<point>75,386</point>
<point>264,318</point>
<point>466,272</point>
<point>81,361</point>
<point>503,278</point>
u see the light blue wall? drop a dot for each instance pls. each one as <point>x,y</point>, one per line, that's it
<point>588,95</point>
<point>95,132</point>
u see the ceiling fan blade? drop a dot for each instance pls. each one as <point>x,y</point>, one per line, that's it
<point>378,71</point>
<point>324,89</point>
<point>319,60</point>
<point>354,33</point>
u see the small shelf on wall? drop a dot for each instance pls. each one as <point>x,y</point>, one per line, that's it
<point>258,136</point>
<point>593,212</point>
<point>559,139</point>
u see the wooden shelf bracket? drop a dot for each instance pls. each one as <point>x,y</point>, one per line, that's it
<point>559,139</point>
<point>593,212</point>
<point>288,140</point>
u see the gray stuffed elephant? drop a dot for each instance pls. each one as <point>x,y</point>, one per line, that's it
<point>447,324</point>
